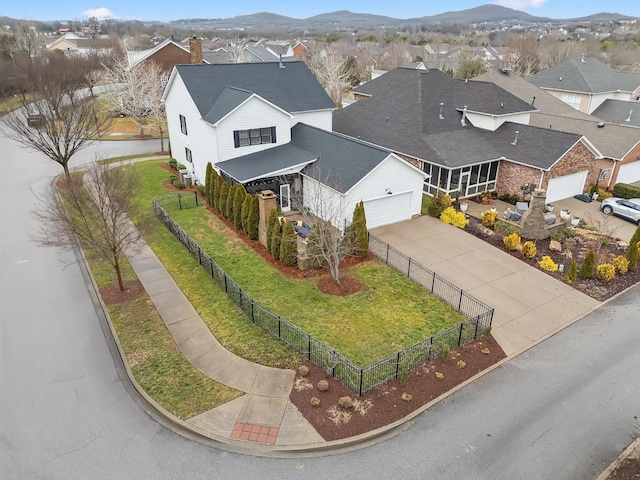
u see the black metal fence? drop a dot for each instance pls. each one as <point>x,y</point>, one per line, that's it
<point>180,201</point>
<point>358,379</point>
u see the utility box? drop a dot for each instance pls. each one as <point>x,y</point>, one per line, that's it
<point>182,173</point>
<point>188,180</point>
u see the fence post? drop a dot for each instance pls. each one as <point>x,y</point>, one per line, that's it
<point>433,281</point>
<point>409,268</point>
<point>279,324</point>
<point>387,260</point>
<point>333,369</point>
<point>180,201</point>
<point>252,314</point>
<point>211,263</point>
<point>460,301</point>
<point>477,320</point>
<point>397,363</point>
<point>196,194</point>
<point>199,256</point>
<point>225,283</point>
<point>460,335</point>
<point>309,349</point>
<point>361,375</point>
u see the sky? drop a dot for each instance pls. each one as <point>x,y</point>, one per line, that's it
<point>171,10</point>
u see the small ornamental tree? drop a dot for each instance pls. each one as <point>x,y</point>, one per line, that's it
<point>222,202</point>
<point>208,179</point>
<point>238,198</point>
<point>360,233</point>
<point>253,221</point>
<point>245,210</point>
<point>276,239</point>
<point>288,245</point>
<point>588,266</point>
<point>632,256</point>
<point>271,225</point>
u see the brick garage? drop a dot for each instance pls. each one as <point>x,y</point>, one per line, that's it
<point>512,175</point>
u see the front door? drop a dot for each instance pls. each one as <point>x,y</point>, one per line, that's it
<point>285,199</point>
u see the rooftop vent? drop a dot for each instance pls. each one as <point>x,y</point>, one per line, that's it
<point>515,140</point>
<point>628,119</point>
<point>601,125</point>
<point>441,117</point>
<point>464,117</point>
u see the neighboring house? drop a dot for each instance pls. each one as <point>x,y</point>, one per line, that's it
<point>267,126</point>
<point>467,136</point>
<point>620,112</point>
<point>618,147</point>
<point>586,83</point>
<point>301,50</point>
<point>74,44</point>
<point>167,54</point>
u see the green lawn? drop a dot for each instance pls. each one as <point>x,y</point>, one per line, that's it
<point>390,313</point>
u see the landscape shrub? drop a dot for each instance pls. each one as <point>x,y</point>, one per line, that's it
<point>509,198</point>
<point>438,204</point>
<point>588,266</point>
<point>178,184</point>
<point>563,234</point>
<point>446,350</point>
<point>315,402</point>
<point>489,218</point>
<point>624,190</point>
<point>222,197</point>
<point>172,179</point>
<point>621,264</point>
<point>572,272</point>
<point>228,206</point>
<point>271,224</point>
<point>632,256</point>
<point>406,397</point>
<point>548,264</point>
<point>461,364</point>
<point>512,241</point>
<point>439,376</point>
<point>173,163</point>
<point>207,182</point>
<point>636,236</point>
<point>452,217</point>
<point>323,385</point>
<point>238,199</point>
<point>276,239</point>
<point>181,167</point>
<point>288,245</point>
<point>254,218</point>
<point>202,190</point>
<point>360,233</point>
<point>606,272</point>
<point>345,402</point>
<point>245,211</point>
<point>303,370</point>
<point>529,249</point>
<point>505,227</point>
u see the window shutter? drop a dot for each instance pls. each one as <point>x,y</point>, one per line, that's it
<point>236,139</point>
<point>273,134</point>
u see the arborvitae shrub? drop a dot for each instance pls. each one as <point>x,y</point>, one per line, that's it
<point>588,266</point>
<point>276,238</point>
<point>245,211</point>
<point>271,225</point>
<point>573,272</point>
<point>238,198</point>
<point>632,256</point>
<point>207,182</point>
<point>254,218</point>
<point>222,202</point>
<point>359,228</point>
<point>438,204</point>
<point>288,245</point>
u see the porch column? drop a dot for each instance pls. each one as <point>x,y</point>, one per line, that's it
<point>267,201</point>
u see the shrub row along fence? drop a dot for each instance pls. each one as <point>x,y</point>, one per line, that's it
<point>360,380</point>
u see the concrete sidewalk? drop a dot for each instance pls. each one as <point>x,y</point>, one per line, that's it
<point>529,304</point>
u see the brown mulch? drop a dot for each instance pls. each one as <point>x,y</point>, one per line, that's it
<point>387,405</point>
<point>579,247</point>
<point>112,295</point>
<point>629,469</point>
<point>348,286</point>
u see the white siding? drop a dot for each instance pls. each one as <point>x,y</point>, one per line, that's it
<point>566,186</point>
<point>599,98</point>
<point>629,173</point>
<point>255,113</point>
<point>200,138</point>
<point>490,122</point>
<point>321,119</point>
<point>324,202</point>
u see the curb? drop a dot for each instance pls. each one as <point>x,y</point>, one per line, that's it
<point>627,451</point>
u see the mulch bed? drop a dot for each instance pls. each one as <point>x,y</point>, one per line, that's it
<point>112,295</point>
<point>629,469</point>
<point>386,403</point>
<point>578,248</point>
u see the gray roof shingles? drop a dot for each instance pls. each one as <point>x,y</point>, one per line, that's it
<point>403,115</point>
<point>619,111</point>
<point>293,88</point>
<point>587,75</point>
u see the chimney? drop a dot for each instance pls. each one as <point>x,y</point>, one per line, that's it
<point>195,48</point>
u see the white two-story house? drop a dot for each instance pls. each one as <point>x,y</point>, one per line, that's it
<point>267,126</point>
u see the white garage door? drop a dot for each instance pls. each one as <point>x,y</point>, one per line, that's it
<point>388,209</point>
<point>629,173</point>
<point>566,186</point>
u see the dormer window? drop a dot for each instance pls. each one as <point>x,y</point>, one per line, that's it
<point>255,136</point>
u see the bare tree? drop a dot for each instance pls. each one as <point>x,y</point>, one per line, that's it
<point>59,124</point>
<point>525,59</point>
<point>241,55</point>
<point>139,94</point>
<point>555,53</point>
<point>327,63</point>
<point>96,215</point>
<point>470,66</point>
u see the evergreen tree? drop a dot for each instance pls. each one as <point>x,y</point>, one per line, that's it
<point>359,228</point>
<point>288,245</point>
<point>214,186</point>
<point>276,239</point>
<point>571,274</point>
<point>632,256</point>
<point>222,199</point>
<point>271,224</point>
<point>636,236</point>
<point>228,206</point>
<point>588,266</point>
<point>245,210</point>
<point>238,198</point>
<point>207,182</point>
<point>254,218</point>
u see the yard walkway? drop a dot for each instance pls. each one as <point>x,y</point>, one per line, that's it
<point>529,304</point>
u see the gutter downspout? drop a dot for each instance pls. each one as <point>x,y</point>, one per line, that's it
<point>541,178</point>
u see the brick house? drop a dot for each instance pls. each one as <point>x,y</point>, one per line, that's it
<point>467,137</point>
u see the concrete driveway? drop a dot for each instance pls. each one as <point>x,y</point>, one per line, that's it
<point>621,228</point>
<point>529,305</point>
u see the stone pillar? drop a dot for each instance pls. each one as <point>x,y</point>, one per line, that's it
<point>533,225</point>
<point>267,201</point>
<point>195,49</point>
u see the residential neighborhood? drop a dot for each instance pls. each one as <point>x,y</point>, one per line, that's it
<point>248,245</point>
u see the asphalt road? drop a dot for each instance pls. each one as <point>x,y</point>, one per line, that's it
<point>563,410</point>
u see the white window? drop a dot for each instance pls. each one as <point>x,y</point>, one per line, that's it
<point>255,136</point>
<point>187,155</point>
<point>572,100</point>
<point>183,124</point>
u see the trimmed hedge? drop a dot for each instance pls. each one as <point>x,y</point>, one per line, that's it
<point>624,190</point>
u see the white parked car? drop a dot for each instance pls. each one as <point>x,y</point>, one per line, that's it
<point>622,207</point>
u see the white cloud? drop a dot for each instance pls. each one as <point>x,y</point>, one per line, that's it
<point>100,13</point>
<point>521,4</point>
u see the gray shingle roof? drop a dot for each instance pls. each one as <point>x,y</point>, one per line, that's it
<point>338,161</point>
<point>588,76</point>
<point>229,98</point>
<point>613,141</point>
<point>617,111</point>
<point>293,88</point>
<point>403,115</point>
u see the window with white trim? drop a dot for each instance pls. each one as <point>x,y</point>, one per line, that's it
<point>183,124</point>
<point>187,155</point>
<point>255,136</point>
<point>571,100</point>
